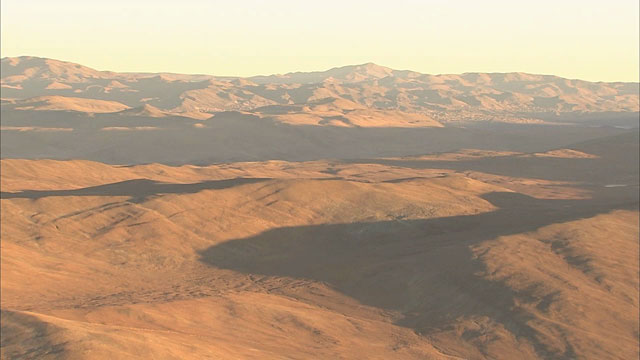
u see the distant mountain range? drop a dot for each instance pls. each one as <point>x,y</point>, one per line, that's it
<point>365,95</point>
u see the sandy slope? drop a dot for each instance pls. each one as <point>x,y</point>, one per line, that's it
<point>445,258</point>
<point>69,104</point>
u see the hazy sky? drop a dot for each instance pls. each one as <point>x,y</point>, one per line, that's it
<point>588,39</point>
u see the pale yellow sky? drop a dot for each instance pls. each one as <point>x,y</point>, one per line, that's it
<point>591,40</point>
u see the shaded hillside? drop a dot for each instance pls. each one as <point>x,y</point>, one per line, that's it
<point>324,259</point>
<point>123,138</point>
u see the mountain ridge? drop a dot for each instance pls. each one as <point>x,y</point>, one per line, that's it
<point>13,59</point>
<point>446,98</point>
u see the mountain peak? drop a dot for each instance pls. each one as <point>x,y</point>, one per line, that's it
<point>42,68</point>
<point>372,70</point>
<point>347,73</point>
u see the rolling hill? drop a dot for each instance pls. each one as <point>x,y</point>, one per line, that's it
<point>444,256</point>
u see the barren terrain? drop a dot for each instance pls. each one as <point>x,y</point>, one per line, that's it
<point>390,258</point>
<point>361,212</point>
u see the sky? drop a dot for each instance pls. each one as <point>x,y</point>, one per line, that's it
<point>590,39</point>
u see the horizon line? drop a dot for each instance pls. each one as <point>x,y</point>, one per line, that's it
<point>312,71</point>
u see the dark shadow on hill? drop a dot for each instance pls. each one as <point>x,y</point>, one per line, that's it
<point>234,136</point>
<point>588,171</point>
<point>32,336</point>
<point>138,190</point>
<point>424,269</point>
<point>617,162</point>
